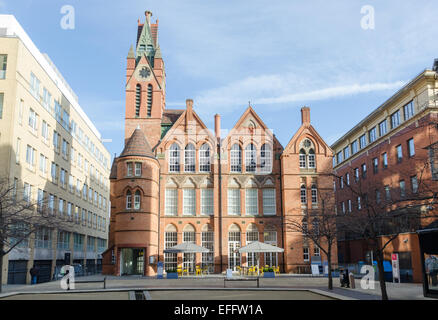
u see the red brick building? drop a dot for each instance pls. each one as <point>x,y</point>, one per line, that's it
<point>389,156</point>
<point>176,181</point>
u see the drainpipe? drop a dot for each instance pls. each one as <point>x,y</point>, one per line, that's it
<point>282,218</point>
<point>218,144</point>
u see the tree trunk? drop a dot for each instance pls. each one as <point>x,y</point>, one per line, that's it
<point>1,263</point>
<point>329,262</point>
<point>379,258</point>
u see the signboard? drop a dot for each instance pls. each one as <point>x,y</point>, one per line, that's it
<point>229,273</point>
<point>315,269</point>
<point>395,268</point>
<point>160,268</point>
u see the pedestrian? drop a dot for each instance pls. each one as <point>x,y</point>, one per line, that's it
<point>33,274</point>
<point>347,278</point>
<point>341,277</point>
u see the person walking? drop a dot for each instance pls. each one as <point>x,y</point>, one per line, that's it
<point>33,275</point>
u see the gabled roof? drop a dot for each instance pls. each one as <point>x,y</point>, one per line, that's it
<point>250,111</point>
<point>171,116</point>
<point>303,129</point>
<point>137,145</point>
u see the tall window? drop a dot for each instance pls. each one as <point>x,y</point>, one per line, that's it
<point>236,158</point>
<point>346,152</point>
<point>171,206</point>
<point>306,254</point>
<point>270,237</point>
<point>385,160</point>
<point>251,202</point>
<point>3,64</point>
<point>137,100</point>
<point>266,158</point>
<point>364,170</point>
<point>189,202</point>
<point>234,201</point>
<point>128,200</point>
<point>354,147</point>
<point>174,158</point>
<point>207,201</point>
<point>399,153</point>
<point>414,184</point>
<point>269,201</point>
<point>395,119</point>
<point>252,234</point>
<point>302,159</point>
<point>411,147</point>
<point>170,240</point>
<point>149,100</point>
<point>362,141</point>
<point>189,158</point>
<point>189,258</point>
<point>1,99</point>
<point>250,158</point>
<point>233,247</point>
<point>402,189</point>
<point>382,128</point>
<point>314,194</point>
<point>204,158</point>
<point>312,159</point>
<point>375,165</point>
<point>207,241</point>
<point>372,135</point>
<point>33,119</point>
<point>408,110</point>
<point>303,194</point>
<point>137,198</point>
<point>138,169</point>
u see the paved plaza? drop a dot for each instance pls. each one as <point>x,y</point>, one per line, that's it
<point>283,287</point>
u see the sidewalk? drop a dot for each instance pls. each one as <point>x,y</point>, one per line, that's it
<point>396,291</point>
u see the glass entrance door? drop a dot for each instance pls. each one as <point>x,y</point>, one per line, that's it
<point>132,261</point>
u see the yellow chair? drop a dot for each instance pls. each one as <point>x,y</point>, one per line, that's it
<point>179,270</point>
<point>277,270</point>
<point>198,271</point>
<point>186,271</point>
<point>239,269</point>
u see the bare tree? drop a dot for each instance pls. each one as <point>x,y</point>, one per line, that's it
<point>319,225</point>
<point>385,208</point>
<point>21,216</point>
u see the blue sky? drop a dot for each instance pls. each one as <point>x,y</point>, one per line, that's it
<point>222,54</point>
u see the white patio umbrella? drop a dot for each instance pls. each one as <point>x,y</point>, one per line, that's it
<point>186,247</point>
<point>258,247</point>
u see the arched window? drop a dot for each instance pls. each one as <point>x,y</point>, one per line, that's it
<point>314,194</point>
<point>303,194</point>
<point>137,200</point>
<point>312,159</point>
<point>250,158</point>
<point>207,241</point>
<point>270,237</point>
<point>266,158</point>
<point>189,158</point>
<point>302,159</point>
<point>137,100</point>
<point>189,258</point>
<point>174,160</point>
<point>170,240</point>
<point>233,247</point>
<point>252,234</point>
<point>236,158</point>
<point>128,200</point>
<point>204,158</point>
<point>149,100</point>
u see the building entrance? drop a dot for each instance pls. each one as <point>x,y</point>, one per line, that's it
<point>132,261</point>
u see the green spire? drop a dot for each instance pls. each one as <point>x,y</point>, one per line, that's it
<point>131,52</point>
<point>145,44</point>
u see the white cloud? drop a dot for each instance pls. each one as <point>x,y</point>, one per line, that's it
<point>279,90</point>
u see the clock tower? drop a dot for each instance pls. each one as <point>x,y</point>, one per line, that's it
<point>145,84</point>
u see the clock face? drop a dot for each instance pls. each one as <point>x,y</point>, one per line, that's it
<point>144,72</point>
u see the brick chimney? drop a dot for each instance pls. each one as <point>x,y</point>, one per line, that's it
<point>217,126</point>
<point>305,115</point>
